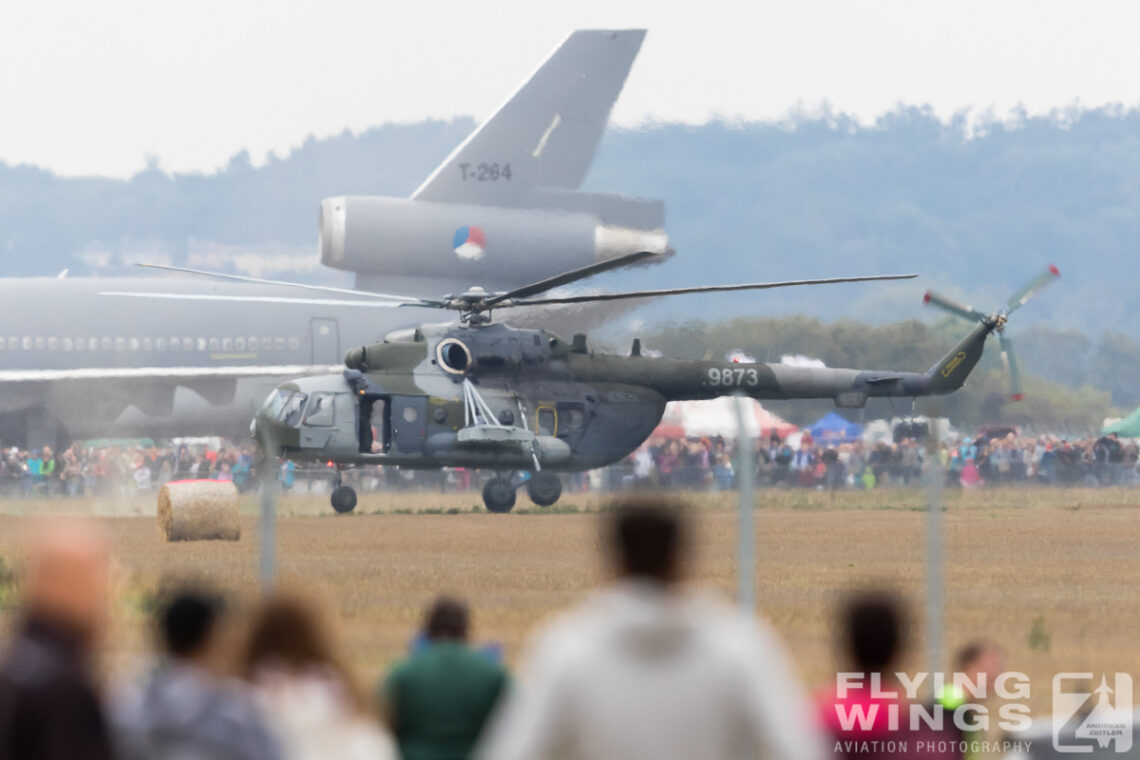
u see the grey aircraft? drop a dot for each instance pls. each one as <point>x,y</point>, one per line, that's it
<point>87,357</point>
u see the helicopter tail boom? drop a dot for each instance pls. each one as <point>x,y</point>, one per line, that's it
<point>681,380</point>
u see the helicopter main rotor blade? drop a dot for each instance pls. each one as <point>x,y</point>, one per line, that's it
<point>944,303</point>
<point>705,289</point>
<point>360,302</point>
<point>1019,299</point>
<point>568,277</point>
<point>321,288</point>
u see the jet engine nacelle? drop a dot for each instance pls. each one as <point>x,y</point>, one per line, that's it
<point>373,235</point>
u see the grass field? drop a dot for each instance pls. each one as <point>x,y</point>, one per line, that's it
<point>1052,575</point>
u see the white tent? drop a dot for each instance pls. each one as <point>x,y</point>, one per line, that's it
<point>718,417</point>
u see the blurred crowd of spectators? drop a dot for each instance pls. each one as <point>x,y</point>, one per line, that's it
<point>695,463</point>
<point>118,470</point>
<point>710,462</point>
<point>648,666</point>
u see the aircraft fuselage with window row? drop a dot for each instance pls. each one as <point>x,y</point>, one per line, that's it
<point>87,357</point>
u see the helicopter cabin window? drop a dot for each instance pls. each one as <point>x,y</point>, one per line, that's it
<point>545,420</point>
<point>319,413</point>
<point>291,414</point>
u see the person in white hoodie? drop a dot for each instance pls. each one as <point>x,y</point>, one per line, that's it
<point>648,668</point>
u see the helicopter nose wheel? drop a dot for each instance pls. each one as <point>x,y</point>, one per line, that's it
<point>544,488</point>
<point>499,495</point>
<point>343,498</point>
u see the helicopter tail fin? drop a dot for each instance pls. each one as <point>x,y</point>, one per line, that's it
<point>951,371</point>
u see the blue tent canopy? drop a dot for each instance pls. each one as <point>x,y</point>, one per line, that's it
<point>833,428</point>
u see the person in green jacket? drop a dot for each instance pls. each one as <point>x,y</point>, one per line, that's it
<point>438,700</point>
<point>981,662</point>
<point>47,471</point>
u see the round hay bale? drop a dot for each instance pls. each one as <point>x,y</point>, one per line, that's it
<point>198,510</point>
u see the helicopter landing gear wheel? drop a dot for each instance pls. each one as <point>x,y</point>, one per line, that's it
<point>544,488</point>
<point>499,495</point>
<point>343,499</point>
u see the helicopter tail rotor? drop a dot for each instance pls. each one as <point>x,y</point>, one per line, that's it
<point>1035,286</point>
<point>946,304</point>
<point>1009,359</point>
<point>996,322</point>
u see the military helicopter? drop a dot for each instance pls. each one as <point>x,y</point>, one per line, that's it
<point>483,394</point>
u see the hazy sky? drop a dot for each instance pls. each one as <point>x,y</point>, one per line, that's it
<point>94,87</point>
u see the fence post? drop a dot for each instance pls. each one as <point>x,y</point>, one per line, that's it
<point>746,560</point>
<point>932,473</point>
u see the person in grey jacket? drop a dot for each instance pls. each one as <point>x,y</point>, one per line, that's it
<point>646,669</point>
<point>189,709</point>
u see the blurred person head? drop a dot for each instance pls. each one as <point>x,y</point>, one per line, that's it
<point>289,634</point>
<point>191,623</point>
<point>873,630</point>
<point>68,579</point>
<point>447,619</point>
<point>979,657</point>
<point>648,540</point>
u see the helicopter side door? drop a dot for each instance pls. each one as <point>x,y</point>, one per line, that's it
<point>373,425</point>
<point>409,423</point>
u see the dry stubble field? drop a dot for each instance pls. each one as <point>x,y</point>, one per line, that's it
<point>1052,575</point>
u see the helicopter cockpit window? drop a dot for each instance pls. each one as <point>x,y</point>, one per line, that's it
<point>319,412</point>
<point>291,413</point>
<point>276,402</point>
